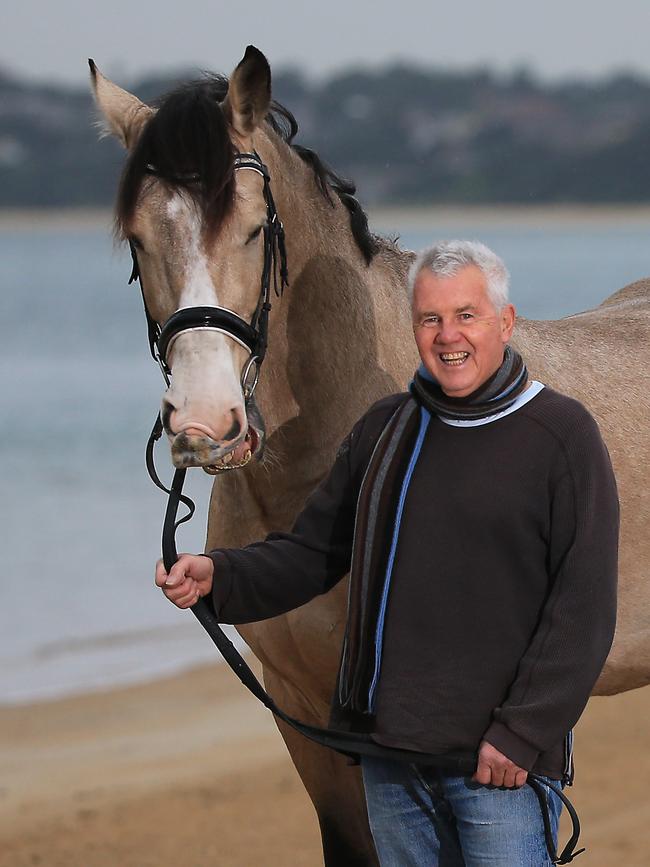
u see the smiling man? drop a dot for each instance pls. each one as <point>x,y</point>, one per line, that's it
<point>482,513</point>
<point>460,328</point>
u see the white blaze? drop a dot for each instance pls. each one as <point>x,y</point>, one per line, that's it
<point>205,385</point>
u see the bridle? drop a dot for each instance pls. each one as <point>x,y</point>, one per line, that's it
<point>253,336</point>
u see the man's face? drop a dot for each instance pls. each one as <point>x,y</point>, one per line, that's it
<point>460,335</point>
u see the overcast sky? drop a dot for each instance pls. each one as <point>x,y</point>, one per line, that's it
<point>51,39</point>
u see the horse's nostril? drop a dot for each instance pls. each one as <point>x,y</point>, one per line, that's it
<point>166,414</point>
<point>235,429</point>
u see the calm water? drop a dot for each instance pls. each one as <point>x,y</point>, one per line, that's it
<point>81,520</point>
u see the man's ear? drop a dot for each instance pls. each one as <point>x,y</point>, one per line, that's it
<point>508,317</point>
<point>123,113</point>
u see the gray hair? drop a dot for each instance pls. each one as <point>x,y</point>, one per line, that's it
<point>447,258</point>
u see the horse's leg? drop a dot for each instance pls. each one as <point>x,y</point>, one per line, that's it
<point>336,791</point>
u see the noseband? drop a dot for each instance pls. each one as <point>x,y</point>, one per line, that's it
<point>253,335</point>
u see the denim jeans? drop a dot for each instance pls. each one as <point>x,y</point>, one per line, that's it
<point>422,817</point>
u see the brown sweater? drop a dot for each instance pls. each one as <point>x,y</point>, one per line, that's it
<point>501,607</point>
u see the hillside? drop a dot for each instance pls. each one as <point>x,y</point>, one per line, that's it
<point>404,134</point>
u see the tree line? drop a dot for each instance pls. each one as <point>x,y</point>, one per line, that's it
<point>404,134</point>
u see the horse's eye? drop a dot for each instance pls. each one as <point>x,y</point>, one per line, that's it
<point>137,243</point>
<point>254,234</point>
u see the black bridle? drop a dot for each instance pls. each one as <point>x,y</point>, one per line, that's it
<point>254,337</point>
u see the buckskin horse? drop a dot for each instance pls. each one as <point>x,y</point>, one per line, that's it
<point>194,204</point>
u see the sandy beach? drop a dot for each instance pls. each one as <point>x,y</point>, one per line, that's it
<point>190,772</point>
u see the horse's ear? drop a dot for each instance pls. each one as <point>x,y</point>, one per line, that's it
<point>249,92</point>
<point>124,114</point>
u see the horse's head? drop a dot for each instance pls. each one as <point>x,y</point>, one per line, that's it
<point>198,224</point>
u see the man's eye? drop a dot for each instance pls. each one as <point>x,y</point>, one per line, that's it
<point>466,316</point>
<point>429,321</point>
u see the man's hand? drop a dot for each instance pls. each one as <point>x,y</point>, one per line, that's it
<point>496,769</point>
<point>189,578</point>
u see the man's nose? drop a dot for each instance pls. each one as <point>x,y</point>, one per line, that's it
<point>448,331</point>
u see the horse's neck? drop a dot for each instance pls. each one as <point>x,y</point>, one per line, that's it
<point>340,336</point>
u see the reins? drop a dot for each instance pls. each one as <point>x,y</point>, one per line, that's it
<point>254,337</point>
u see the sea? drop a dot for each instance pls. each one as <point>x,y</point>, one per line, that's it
<point>80,519</point>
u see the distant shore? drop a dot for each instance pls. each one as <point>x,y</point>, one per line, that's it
<point>381,217</point>
<point>74,219</point>
<point>494,215</point>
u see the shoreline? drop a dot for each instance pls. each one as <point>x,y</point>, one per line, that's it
<point>406,216</point>
<point>47,696</point>
<point>516,216</point>
<point>190,769</point>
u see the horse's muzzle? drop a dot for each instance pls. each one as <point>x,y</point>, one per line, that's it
<point>192,450</point>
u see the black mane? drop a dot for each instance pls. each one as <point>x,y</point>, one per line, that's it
<point>186,143</point>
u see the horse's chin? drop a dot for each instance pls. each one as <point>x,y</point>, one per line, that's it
<point>202,451</point>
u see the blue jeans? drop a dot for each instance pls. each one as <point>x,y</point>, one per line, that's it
<point>422,817</point>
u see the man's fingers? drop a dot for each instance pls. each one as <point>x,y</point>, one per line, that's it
<point>176,573</point>
<point>510,777</point>
<point>506,776</point>
<point>498,775</point>
<point>179,570</point>
<point>497,769</point>
<point>161,573</point>
<point>188,579</point>
<point>483,774</point>
<point>179,591</point>
<point>188,600</point>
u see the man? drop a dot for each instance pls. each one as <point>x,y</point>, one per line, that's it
<point>482,513</point>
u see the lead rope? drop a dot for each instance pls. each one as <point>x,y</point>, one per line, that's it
<point>350,744</point>
<point>569,852</point>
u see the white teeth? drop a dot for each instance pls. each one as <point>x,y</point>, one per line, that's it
<point>453,358</point>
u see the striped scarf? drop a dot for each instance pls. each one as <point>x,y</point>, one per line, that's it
<point>496,394</point>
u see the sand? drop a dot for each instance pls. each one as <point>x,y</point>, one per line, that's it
<point>190,772</point>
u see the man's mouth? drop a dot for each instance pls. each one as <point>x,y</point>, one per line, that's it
<point>453,359</point>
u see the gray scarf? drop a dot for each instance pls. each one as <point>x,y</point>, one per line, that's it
<point>496,394</point>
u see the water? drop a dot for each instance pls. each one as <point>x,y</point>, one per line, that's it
<point>559,264</point>
<point>81,519</point>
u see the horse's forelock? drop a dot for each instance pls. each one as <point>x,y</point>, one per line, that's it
<point>188,138</point>
<point>187,144</point>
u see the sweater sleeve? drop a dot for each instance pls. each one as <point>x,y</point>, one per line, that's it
<point>576,627</point>
<point>286,570</point>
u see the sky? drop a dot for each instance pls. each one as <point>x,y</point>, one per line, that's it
<point>51,39</point>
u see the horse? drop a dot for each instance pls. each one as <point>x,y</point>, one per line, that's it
<point>339,338</point>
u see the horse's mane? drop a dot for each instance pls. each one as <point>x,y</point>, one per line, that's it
<point>186,143</point>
